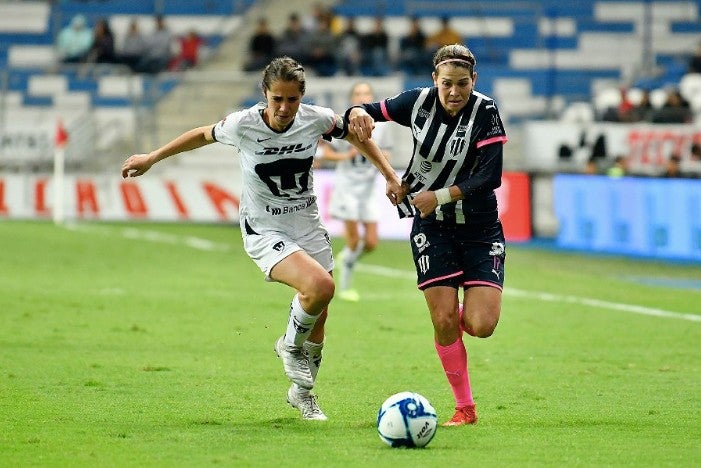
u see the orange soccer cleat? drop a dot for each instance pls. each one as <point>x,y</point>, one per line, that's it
<point>463,415</point>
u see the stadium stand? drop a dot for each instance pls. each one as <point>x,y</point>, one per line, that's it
<point>567,50</point>
<point>535,58</point>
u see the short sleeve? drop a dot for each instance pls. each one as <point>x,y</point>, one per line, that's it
<point>227,129</point>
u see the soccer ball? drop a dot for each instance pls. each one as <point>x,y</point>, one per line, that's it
<point>406,419</point>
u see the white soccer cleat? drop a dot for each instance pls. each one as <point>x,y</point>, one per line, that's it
<point>295,363</point>
<point>306,404</point>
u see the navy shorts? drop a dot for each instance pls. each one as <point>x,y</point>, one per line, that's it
<point>458,255</point>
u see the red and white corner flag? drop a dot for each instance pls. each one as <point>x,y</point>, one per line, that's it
<point>61,135</point>
<point>60,140</point>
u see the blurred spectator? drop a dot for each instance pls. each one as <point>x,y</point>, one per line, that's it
<point>673,168</point>
<point>591,167</point>
<point>692,167</point>
<point>695,60</point>
<point>322,50</point>
<point>261,47</point>
<point>292,41</point>
<point>349,53</point>
<point>675,110</point>
<point>102,49</point>
<point>310,21</point>
<point>157,51</point>
<point>189,53</point>
<point>695,153</point>
<point>320,14</point>
<point>412,53</point>
<point>444,36</point>
<point>375,49</point>
<point>619,168</point>
<point>74,41</point>
<point>133,46</point>
<point>643,109</point>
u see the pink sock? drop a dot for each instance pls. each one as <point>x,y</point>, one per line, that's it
<point>454,360</point>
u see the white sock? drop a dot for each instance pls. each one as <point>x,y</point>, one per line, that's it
<point>299,325</point>
<point>356,253</point>
<point>313,352</point>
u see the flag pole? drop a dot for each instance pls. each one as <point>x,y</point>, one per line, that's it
<point>59,170</point>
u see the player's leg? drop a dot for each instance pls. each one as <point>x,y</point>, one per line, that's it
<point>352,249</point>
<point>439,276</point>
<point>317,248</point>
<point>370,236</point>
<point>442,302</point>
<point>481,310</point>
<point>483,282</point>
<point>315,288</point>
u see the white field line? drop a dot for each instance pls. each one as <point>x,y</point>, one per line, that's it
<point>548,297</point>
<point>207,245</point>
<point>197,243</point>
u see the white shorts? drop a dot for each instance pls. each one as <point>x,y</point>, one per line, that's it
<point>269,248</point>
<point>352,204</point>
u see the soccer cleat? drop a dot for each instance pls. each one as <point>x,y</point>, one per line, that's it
<point>306,404</point>
<point>462,416</point>
<point>350,295</point>
<point>295,363</point>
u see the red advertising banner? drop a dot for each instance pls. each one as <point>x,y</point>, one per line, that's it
<point>514,197</point>
<point>198,198</point>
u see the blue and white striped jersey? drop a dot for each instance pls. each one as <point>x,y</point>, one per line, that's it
<point>465,150</point>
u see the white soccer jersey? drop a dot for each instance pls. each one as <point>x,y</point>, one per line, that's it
<point>354,195</point>
<point>359,170</point>
<point>278,191</point>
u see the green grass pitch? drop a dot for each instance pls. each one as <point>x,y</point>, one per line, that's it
<point>151,345</point>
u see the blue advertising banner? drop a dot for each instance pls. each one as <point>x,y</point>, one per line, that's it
<point>658,218</point>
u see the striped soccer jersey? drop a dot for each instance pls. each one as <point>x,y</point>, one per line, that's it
<point>465,150</point>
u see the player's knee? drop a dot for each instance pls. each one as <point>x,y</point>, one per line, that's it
<point>445,325</point>
<point>325,289</point>
<point>485,326</point>
<point>319,293</point>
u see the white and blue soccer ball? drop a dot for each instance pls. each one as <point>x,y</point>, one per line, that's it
<point>407,419</point>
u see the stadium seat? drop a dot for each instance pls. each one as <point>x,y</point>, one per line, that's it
<point>47,85</point>
<point>31,56</point>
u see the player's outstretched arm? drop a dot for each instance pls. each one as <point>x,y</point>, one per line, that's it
<point>138,164</point>
<point>395,192</point>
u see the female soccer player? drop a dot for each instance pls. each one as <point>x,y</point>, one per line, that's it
<point>280,224</point>
<point>353,199</point>
<point>457,241</point>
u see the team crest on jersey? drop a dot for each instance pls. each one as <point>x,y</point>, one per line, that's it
<point>424,113</point>
<point>279,246</point>
<point>457,145</point>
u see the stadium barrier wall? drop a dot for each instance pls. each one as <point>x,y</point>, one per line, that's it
<point>200,197</point>
<point>647,146</point>
<point>656,218</point>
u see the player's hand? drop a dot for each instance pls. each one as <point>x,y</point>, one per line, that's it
<point>360,123</point>
<point>396,191</point>
<point>136,165</point>
<point>425,202</point>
